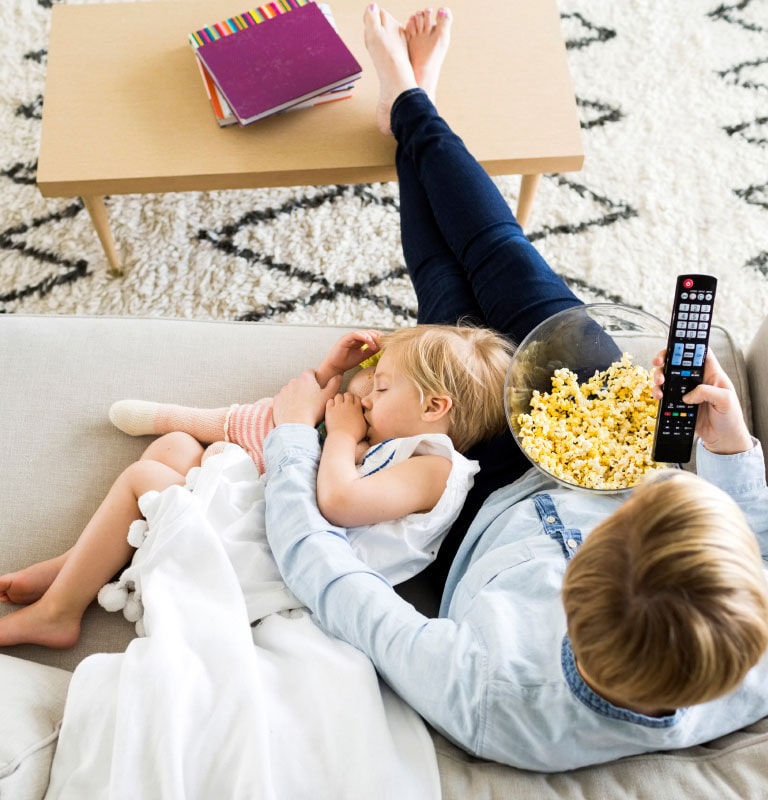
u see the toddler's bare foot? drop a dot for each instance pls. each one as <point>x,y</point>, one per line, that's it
<point>30,584</point>
<point>386,43</point>
<point>36,624</point>
<point>428,35</point>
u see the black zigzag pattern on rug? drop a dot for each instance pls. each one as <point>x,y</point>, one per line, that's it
<point>753,131</point>
<point>588,32</point>
<point>315,288</point>
<point>739,14</point>
<point>755,195</point>
<point>33,109</point>
<point>583,33</point>
<point>319,289</point>
<point>67,270</point>
<point>20,173</point>
<point>750,76</point>
<point>376,284</point>
<point>613,212</point>
<point>594,113</point>
<point>740,74</point>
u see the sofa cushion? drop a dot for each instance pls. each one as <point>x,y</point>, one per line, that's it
<point>729,768</point>
<point>61,453</point>
<point>757,367</point>
<point>31,709</point>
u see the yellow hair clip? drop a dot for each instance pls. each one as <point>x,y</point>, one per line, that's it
<point>372,361</point>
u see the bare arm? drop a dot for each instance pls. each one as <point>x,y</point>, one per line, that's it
<point>346,499</point>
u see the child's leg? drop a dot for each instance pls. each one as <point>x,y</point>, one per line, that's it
<point>64,586</point>
<point>248,426</point>
<point>178,450</point>
<point>140,417</point>
<point>29,584</point>
<point>101,550</point>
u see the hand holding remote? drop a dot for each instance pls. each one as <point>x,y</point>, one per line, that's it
<point>720,423</point>
<point>684,367</point>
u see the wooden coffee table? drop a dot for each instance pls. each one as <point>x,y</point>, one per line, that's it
<point>125,110</point>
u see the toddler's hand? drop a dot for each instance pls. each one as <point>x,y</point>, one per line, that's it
<point>351,349</point>
<point>302,400</point>
<point>344,414</point>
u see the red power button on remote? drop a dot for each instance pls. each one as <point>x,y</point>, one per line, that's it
<point>687,283</point>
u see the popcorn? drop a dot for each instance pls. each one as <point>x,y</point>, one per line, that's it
<point>598,434</point>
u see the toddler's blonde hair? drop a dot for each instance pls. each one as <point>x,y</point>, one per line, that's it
<point>467,364</point>
<point>666,601</point>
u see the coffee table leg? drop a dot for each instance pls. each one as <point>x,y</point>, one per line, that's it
<point>528,186</point>
<point>98,211</point>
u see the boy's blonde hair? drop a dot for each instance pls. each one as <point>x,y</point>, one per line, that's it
<point>666,601</point>
<point>467,364</point>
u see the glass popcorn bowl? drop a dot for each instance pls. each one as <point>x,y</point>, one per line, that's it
<point>592,429</point>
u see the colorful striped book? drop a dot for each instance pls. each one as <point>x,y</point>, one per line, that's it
<point>259,63</point>
<point>222,111</point>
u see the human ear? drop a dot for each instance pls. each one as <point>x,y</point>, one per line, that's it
<point>435,407</point>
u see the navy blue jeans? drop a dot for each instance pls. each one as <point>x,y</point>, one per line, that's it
<point>468,259</point>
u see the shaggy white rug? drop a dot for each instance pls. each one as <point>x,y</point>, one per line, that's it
<point>674,103</point>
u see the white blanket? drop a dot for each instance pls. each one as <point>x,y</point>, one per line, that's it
<point>206,707</point>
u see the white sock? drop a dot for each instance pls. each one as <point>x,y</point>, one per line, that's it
<point>135,417</point>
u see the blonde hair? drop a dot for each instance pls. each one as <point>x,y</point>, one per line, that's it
<point>666,600</point>
<point>467,364</point>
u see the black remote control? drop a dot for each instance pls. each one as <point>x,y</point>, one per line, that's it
<point>684,367</point>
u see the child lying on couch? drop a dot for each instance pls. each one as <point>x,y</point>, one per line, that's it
<point>436,390</point>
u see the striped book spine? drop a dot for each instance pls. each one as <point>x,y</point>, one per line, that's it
<point>253,16</point>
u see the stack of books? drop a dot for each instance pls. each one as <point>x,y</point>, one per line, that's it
<point>278,57</point>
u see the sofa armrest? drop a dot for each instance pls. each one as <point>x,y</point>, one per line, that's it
<point>757,371</point>
<point>31,709</point>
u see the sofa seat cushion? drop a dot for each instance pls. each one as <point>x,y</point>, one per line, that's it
<point>729,768</point>
<point>60,451</point>
<point>31,710</point>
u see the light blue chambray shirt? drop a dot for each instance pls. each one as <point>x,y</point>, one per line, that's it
<point>495,672</point>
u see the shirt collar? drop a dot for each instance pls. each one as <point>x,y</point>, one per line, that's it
<point>584,694</point>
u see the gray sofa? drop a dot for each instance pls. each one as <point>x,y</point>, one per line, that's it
<point>60,455</point>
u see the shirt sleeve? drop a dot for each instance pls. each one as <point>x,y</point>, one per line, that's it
<point>436,665</point>
<point>742,476</point>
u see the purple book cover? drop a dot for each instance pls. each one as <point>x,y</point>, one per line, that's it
<point>278,63</point>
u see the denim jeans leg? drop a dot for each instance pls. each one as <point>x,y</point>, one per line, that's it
<point>449,203</point>
<point>512,284</point>
<point>443,290</point>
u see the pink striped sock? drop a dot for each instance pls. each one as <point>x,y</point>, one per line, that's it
<point>248,426</point>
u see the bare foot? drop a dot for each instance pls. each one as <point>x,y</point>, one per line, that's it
<point>428,35</point>
<point>30,584</point>
<point>37,624</point>
<point>386,43</point>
